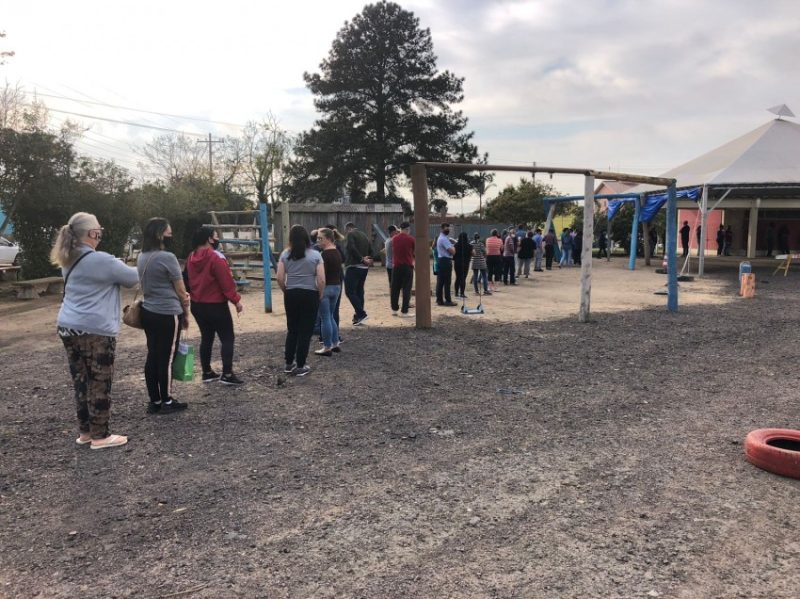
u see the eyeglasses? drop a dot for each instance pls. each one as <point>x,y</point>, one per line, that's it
<point>100,232</point>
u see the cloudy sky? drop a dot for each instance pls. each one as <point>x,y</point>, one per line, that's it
<point>632,85</point>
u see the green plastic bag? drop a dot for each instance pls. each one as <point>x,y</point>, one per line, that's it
<point>183,364</point>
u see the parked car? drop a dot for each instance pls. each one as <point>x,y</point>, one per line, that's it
<point>9,251</point>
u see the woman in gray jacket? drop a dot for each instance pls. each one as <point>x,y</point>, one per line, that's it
<point>88,322</point>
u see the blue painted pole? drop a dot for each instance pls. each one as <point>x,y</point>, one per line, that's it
<point>265,257</point>
<point>672,249</point>
<point>634,234</point>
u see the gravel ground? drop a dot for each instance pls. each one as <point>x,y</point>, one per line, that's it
<point>478,459</point>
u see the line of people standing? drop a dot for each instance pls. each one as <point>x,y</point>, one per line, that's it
<point>503,256</point>
<point>89,318</point>
<point>310,278</point>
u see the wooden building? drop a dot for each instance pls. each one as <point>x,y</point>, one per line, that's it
<point>314,216</point>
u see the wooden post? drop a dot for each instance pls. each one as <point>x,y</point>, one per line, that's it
<point>672,249</point>
<point>422,276</point>
<point>285,223</point>
<point>608,236</point>
<point>586,250</point>
<point>265,257</point>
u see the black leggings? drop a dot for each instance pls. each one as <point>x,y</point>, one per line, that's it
<point>163,333</point>
<point>461,280</point>
<point>301,307</point>
<point>494,264</point>
<point>215,319</point>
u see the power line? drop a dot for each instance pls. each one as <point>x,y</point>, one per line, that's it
<point>166,114</point>
<point>96,101</point>
<point>91,135</point>
<point>90,99</point>
<point>129,123</point>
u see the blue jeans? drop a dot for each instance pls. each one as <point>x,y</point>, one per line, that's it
<point>318,324</point>
<point>330,330</point>
<point>478,276</point>
<point>566,255</point>
<point>537,259</point>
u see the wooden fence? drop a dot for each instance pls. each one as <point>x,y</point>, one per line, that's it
<point>314,216</point>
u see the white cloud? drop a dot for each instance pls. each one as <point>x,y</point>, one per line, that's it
<point>634,85</point>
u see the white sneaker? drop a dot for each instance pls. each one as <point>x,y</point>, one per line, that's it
<point>407,315</point>
<point>394,312</point>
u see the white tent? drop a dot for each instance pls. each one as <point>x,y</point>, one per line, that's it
<point>769,154</point>
<point>759,170</point>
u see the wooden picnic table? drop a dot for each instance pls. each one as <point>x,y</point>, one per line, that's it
<point>32,288</point>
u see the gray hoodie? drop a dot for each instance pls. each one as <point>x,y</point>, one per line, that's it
<point>92,295</point>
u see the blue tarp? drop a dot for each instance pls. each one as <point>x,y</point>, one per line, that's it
<point>652,204</point>
<point>614,206</point>
<point>651,207</point>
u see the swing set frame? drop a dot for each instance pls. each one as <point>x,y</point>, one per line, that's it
<point>419,187</point>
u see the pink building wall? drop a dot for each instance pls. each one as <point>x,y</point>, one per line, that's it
<point>712,224</point>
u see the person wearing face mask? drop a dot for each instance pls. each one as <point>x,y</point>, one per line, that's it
<point>445,251</point>
<point>165,310</point>
<point>88,322</point>
<point>211,286</point>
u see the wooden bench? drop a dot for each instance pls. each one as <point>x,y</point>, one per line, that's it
<point>33,288</point>
<point>4,268</point>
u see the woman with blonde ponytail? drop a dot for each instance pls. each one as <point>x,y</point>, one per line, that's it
<point>88,322</point>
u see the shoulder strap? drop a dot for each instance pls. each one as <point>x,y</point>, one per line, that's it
<point>144,270</point>
<point>146,264</point>
<point>69,272</point>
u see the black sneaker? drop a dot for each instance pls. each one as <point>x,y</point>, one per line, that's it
<point>302,370</point>
<point>230,379</point>
<point>290,368</point>
<point>173,405</point>
<point>360,321</point>
<point>153,408</point>
<point>210,376</point>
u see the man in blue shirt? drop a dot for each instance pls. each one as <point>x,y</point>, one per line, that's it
<point>537,251</point>
<point>445,251</point>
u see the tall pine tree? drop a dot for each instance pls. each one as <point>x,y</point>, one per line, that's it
<point>384,106</point>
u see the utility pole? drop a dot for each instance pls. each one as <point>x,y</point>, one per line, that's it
<point>210,141</point>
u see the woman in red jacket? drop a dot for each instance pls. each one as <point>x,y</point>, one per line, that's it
<point>211,286</point>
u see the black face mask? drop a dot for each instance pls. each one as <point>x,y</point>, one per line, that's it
<point>167,241</point>
<point>215,244</point>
